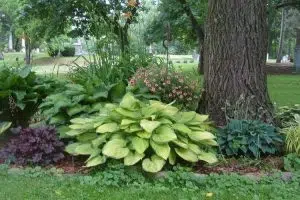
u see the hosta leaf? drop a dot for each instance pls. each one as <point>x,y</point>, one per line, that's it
<point>75,132</point>
<point>208,157</point>
<point>99,140</point>
<point>86,137</point>
<point>87,126</point>
<point>132,158</point>
<point>140,144</point>
<point>153,165</point>
<point>144,134</point>
<point>164,134</point>
<point>133,128</point>
<point>201,135</point>
<point>108,128</point>
<point>209,142</point>
<point>81,120</point>
<point>62,130</point>
<point>149,126</point>
<point>148,111</point>
<point>163,150</point>
<point>128,113</point>
<point>71,148</point>
<point>126,122</point>
<point>165,110</point>
<point>98,160</point>
<point>84,149</point>
<point>195,148</point>
<point>76,109</point>
<point>4,126</point>
<point>184,117</point>
<point>180,144</point>
<point>117,92</point>
<point>198,119</point>
<point>129,102</point>
<point>57,119</point>
<point>165,121</point>
<point>172,157</point>
<point>115,148</point>
<point>187,154</point>
<point>182,128</point>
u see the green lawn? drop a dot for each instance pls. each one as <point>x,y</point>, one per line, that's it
<point>223,187</point>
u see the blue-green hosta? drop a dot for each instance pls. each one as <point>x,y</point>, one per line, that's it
<point>153,133</point>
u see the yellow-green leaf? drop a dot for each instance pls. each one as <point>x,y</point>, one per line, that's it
<point>98,160</point>
<point>153,165</point>
<point>70,149</point>
<point>149,126</point>
<point>164,134</point>
<point>133,158</point>
<point>129,102</point>
<point>172,157</point>
<point>127,113</point>
<point>75,132</point>
<point>208,157</point>
<point>163,150</point>
<point>184,117</point>
<point>84,149</point>
<point>201,135</point>
<point>187,154</point>
<point>115,148</point>
<point>144,134</point>
<point>182,128</point>
<point>99,140</point>
<point>180,144</point>
<point>85,137</point>
<point>108,128</point>
<point>140,144</point>
<point>126,122</point>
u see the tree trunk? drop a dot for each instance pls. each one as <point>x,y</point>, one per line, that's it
<point>282,30</point>
<point>27,51</point>
<point>234,60</point>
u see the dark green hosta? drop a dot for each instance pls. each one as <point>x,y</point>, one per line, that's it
<point>153,133</point>
<point>249,138</point>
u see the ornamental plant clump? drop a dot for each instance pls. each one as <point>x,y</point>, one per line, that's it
<point>152,133</point>
<point>292,139</point>
<point>249,138</point>
<point>39,146</point>
<point>169,85</point>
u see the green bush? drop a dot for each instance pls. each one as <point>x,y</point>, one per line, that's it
<point>52,51</point>
<point>21,92</point>
<point>168,85</point>
<point>292,139</point>
<point>292,162</point>
<point>249,138</point>
<point>136,131</point>
<point>68,51</point>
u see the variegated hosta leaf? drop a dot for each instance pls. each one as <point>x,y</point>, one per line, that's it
<point>164,134</point>
<point>149,126</point>
<point>115,148</point>
<point>140,144</point>
<point>162,150</point>
<point>201,135</point>
<point>132,158</point>
<point>108,128</point>
<point>187,154</point>
<point>153,165</point>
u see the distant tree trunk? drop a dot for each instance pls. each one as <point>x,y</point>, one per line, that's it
<point>235,57</point>
<point>282,30</point>
<point>28,51</point>
<point>10,40</point>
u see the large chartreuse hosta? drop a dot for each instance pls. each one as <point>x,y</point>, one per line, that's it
<point>153,133</point>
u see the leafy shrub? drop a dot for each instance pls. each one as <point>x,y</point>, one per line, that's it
<point>168,84</point>
<point>21,92</point>
<point>249,138</point>
<point>286,115</point>
<point>74,100</point>
<point>292,139</point>
<point>52,51</point>
<point>68,51</point>
<point>35,146</point>
<point>134,130</point>
<point>292,162</point>
<point>185,61</point>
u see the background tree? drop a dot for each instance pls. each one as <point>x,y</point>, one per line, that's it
<point>235,57</point>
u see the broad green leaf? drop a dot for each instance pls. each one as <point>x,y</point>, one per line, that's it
<point>117,92</point>
<point>187,154</point>
<point>148,111</point>
<point>164,134</point>
<point>144,134</point>
<point>201,135</point>
<point>180,144</point>
<point>99,140</point>
<point>133,128</point>
<point>115,148</point>
<point>184,117</point>
<point>76,110</point>
<point>81,120</point>
<point>172,157</point>
<point>62,130</point>
<point>163,150</point>
<point>165,110</point>
<point>208,157</point>
<point>87,126</point>
<point>149,126</point>
<point>128,113</point>
<point>165,121</point>
<point>20,95</point>
<point>25,71</point>
<point>195,148</point>
<point>71,148</point>
<point>98,160</point>
<point>57,119</point>
<point>140,144</point>
<point>96,107</point>
<point>75,132</point>
<point>129,102</point>
<point>133,158</point>
<point>153,165</point>
<point>209,142</point>
<point>84,149</point>
<point>126,122</point>
<point>199,119</point>
<point>86,137</point>
<point>4,126</point>
<point>182,128</point>
<point>108,128</point>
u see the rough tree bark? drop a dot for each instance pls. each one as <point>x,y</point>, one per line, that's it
<point>234,59</point>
